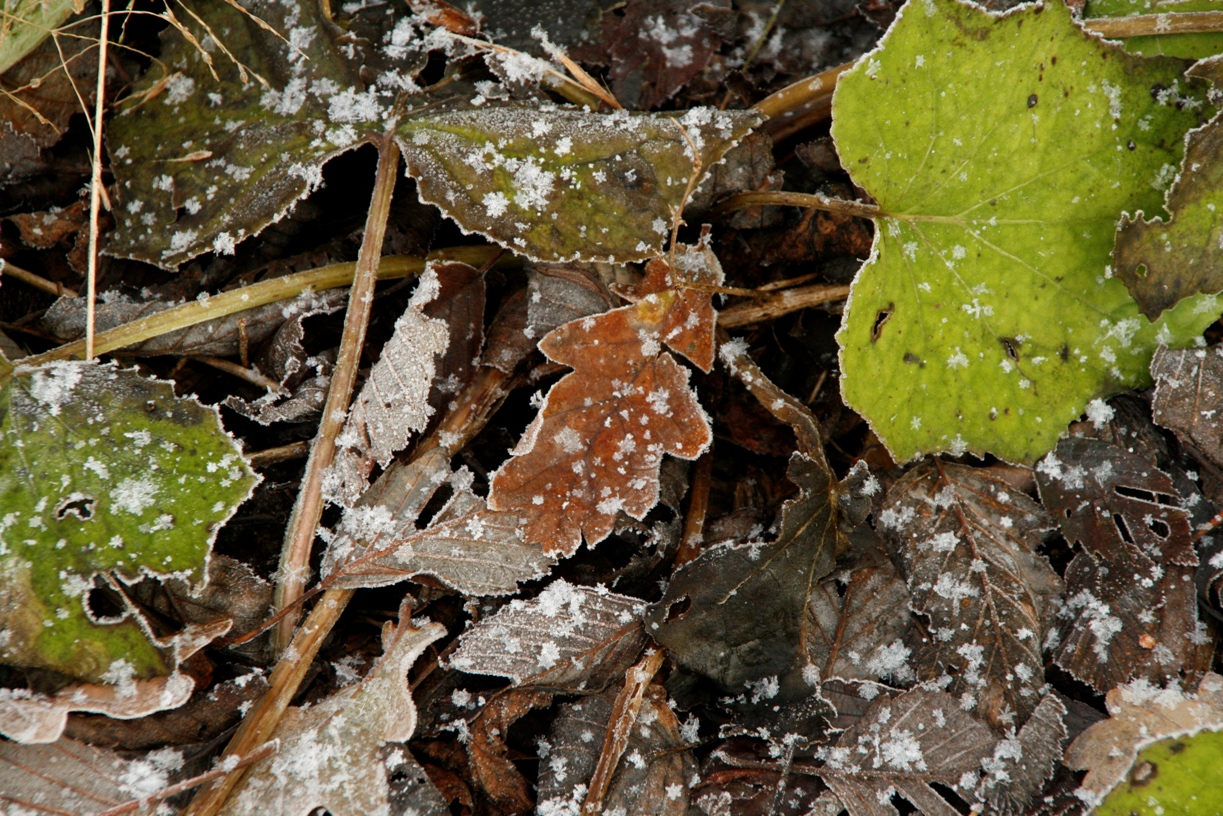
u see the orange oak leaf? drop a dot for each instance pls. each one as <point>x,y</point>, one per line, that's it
<point>597,443</point>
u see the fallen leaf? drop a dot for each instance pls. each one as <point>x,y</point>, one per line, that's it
<point>1131,606</point>
<point>968,541</point>
<point>567,637</point>
<point>596,445</point>
<point>1188,386</point>
<point>102,473</point>
<point>393,404</point>
<point>329,753</point>
<point>1024,762</point>
<point>495,774</point>
<point>1139,715</point>
<point>902,745</point>
<point>1000,174</point>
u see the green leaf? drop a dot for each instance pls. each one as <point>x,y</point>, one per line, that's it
<point>1001,151</point>
<point>26,23</point>
<point>102,471</point>
<point>1162,260</point>
<point>562,184</point>
<point>206,163</point>
<point>1188,46</point>
<point>1180,775</point>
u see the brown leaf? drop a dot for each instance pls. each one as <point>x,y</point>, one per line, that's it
<point>968,541</point>
<point>1021,764</point>
<point>597,443</point>
<point>1189,396</point>
<point>1130,599</point>
<point>459,305</point>
<point>496,775</point>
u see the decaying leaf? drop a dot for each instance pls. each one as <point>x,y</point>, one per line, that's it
<point>1000,173</point>
<point>563,184</point>
<point>902,745</point>
<point>496,775</point>
<point>1022,763</point>
<point>567,637</point>
<point>738,613</point>
<point>466,545</point>
<point>394,402</point>
<point>1139,715</point>
<point>103,473</point>
<point>1188,396</point>
<point>968,542</point>
<point>596,445</point>
<point>1131,607</point>
<point>329,753</point>
<point>202,163</point>
<point>72,777</point>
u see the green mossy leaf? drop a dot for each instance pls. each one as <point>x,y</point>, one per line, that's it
<point>1183,775</point>
<point>102,471</point>
<point>561,184</point>
<point>1001,150</point>
<point>206,163</point>
<point>26,23</point>
<point>1187,46</point>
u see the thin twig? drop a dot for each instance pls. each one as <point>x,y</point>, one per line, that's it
<point>303,523</point>
<point>283,453</point>
<point>241,372</point>
<point>1147,25</point>
<point>812,201</point>
<point>756,46</point>
<point>782,303</point>
<point>95,183</point>
<point>801,104</point>
<point>37,281</point>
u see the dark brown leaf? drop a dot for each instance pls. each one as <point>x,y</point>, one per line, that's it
<point>1188,397</point>
<point>493,772</point>
<point>1022,764</point>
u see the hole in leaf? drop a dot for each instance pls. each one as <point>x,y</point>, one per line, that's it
<point>1148,496</point>
<point>1122,529</point>
<point>75,504</point>
<point>880,319</point>
<point>951,796</point>
<point>678,609</point>
<point>1159,527</point>
<point>1010,347</point>
<point>104,605</point>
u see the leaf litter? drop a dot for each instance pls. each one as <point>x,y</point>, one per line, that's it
<point>791,627</point>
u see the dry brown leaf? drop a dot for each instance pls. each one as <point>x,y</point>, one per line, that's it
<point>595,447</point>
<point>1022,763</point>
<point>330,753</point>
<point>1188,397</point>
<point>500,780</point>
<point>1140,714</point>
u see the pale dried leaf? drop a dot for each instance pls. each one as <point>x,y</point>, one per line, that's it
<point>1140,714</point>
<point>393,404</point>
<point>968,541</point>
<point>330,754</point>
<point>903,744</point>
<point>560,639</point>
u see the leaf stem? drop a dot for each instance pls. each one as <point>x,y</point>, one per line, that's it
<point>782,303</point>
<point>95,182</point>
<point>303,523</point>
<point>189,314</point>
<point>856,209</point>
<point>1146,25</point>
<point>800,104</point>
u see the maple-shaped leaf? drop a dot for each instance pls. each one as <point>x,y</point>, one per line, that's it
<point>393,404</point>
<point>902,745</point>
<point>1141,714</point>
<point>1001,149</point>
<point>202,162</point>
<point>567,637</point>
<point>738,613</point>
<point>559,184</point>
<point>597,443</point>
<point>1188,387</point>
<point>1165,260</point>
<point>467,546</point>
<point>1131,607</point>
<point>968,542</point>
<point>329,754</point>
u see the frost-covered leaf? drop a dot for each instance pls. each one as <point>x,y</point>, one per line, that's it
<point>563,638</point>
<point>459,306</point>
<point>393,404</point>
<point>968,542</point>
<point>854,630</point>
<point>1139,715</point>
<point>221,337</point>
<point>1022,763</point>
<point>329,754</point>
<point>902,745</point>
<point>738,613</point>
<point>1165,260</point>
<point>491,769</point>
<point>72,777</point>
<point>1189,46</point>
<point>596,446</point>
<point>103,472</point>
<point>1188,393</point>
<point>1174,775</point>
<point>1001,151</point>
<point>562,184</point>
<point>205,163</point>
<point>469,547</point>
<point>1131,605</point>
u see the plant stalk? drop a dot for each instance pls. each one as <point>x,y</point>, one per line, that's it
<point>1148,25</point>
